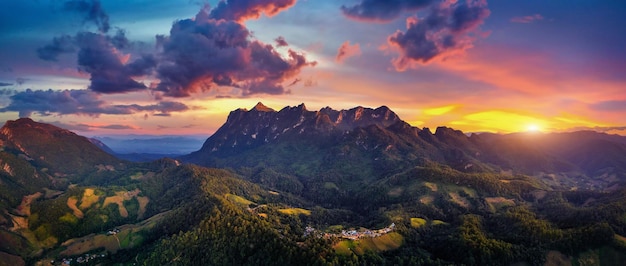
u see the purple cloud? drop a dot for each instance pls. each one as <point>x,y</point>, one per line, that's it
<point>382,10</point>
<point>205,52</point>
<point>92,12</point>
<point>242,10</point>
<point>446,29</point>
<point>80,102</point>
<point>527,19</point>
<point>98,57</point>
<point>280,41</point>
<point>60,45</point>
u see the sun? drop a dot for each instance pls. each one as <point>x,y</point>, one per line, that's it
<point>533,128</point>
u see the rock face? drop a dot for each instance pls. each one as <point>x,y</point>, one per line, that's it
<point>245,129</point>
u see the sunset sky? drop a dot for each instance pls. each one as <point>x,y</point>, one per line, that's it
<point>180,66</point>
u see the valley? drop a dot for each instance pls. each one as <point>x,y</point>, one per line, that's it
<point>327,187</point>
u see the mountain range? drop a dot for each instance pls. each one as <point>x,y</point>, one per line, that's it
<point>309,187</point>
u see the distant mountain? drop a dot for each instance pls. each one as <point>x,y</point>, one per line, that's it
<point>101,145</point>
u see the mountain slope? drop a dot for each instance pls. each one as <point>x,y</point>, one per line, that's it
<point>51,147</point>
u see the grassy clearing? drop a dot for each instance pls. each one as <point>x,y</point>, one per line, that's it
<point>71,202</point>
<point>396,192</point>
<point>239,200</point>
<point>122,196</point>
<point>143,202</point>
<point>382,243</point>
<point>496,203</point>
<point>427,200</point>
<point>295,211</point>
<point>130,236</point>
<point>438,222</point>
<point>432,186</point>
<point>331,185</point>
<point>417,222</point>
<point>458,199</point>
<point>89,198</point>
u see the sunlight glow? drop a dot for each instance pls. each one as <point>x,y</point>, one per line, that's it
<point>533,128</point>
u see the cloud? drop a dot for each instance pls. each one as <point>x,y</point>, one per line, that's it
<point>609,106</point>
<point>204,52</point>
<point>92,12</point>
<point>4,84</point>
<point>242,10</point>
<point>99,57</point>
<point>88,127</point>
<point>446,29</point>
<point>60,45</point>
<point>79,102</point>
<point>382,10</point>
<point>346,51</point>
<point>280,41</point>
<point>527,19</point>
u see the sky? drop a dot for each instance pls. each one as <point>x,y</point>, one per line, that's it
<point>178,67</point>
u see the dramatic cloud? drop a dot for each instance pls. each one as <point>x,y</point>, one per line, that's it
<point>98,57</point>
<point>92,12</point>
<point>446,29</point>
<point>3,84</point>
<point>383,10</point>
<point>204,52</point>
<point>242,10</point>
<point>80,102</point>
<point>60,45</point>
<point>527,19</point>
<point>346,51</point>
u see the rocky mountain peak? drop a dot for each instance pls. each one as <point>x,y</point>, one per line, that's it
<point>261,125</point>
<point>260,107</point>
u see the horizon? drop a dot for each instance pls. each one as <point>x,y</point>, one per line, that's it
<point>498,67</point>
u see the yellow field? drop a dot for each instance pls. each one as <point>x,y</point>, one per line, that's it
<point>432,186</point>
<point>438,222</point>
<point>119,199</point>
<point>295,211</point>
<point>417,222</point>
<point>89,198</point>
<point>71,202</point>
<point>385,242</point>
<point>238,199</point>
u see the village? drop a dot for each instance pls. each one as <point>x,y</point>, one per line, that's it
<point>350,234</point>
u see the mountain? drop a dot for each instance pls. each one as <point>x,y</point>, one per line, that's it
<point>374,143</point>
<point>59,150</point>
<point>328,187</point>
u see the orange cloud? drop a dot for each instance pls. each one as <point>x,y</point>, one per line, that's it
<point>346,51</point>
